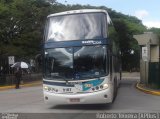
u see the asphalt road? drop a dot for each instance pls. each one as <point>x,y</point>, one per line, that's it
<point>30,100</point>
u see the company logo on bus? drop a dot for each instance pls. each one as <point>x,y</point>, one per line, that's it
<point>91,42</point>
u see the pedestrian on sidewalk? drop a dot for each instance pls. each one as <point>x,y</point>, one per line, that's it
<point>18,76</point>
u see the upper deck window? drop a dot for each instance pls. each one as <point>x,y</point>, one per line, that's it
<point>76,27</point>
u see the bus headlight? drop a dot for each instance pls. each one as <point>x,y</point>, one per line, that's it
<point>105,86</point>
<point>101,87</point>
<point>45,88</point>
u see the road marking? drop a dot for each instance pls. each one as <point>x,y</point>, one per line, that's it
<point>147,91</point>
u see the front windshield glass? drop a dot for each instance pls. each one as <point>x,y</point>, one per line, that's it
<point>76,63</point>
<point>76,27</point>
<point>90,62</point>
<point>59,63</point>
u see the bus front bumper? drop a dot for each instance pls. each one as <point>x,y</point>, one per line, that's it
<point>99,97</point>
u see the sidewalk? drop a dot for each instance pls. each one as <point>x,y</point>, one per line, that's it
<point>147,90</point>
<point>34,83</point>
<point>130,74</point>
<point>141,87</point>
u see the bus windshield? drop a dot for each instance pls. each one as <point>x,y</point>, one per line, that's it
<point>76,63</point>
<point>76,27</point>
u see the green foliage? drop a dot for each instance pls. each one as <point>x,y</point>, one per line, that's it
<point>155,30</point>
<point>22,23</point>
<point>21,26</point>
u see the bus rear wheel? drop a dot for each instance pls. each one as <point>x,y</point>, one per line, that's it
<point>115,90</point>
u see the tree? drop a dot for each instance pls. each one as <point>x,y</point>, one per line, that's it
<point>22,26</point>
<point>22,23</point>
<point>155,30</point>
<point>128,45</point>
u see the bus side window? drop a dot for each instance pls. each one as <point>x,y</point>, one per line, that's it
<point>113,37</point>
<point>110,60</point>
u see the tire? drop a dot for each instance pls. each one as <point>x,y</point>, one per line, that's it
<point>115,90</point>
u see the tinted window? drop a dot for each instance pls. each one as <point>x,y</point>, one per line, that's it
<point>59,63</point>
<point>90,62</point>
<point>76,27</point>
<point>76,62</point>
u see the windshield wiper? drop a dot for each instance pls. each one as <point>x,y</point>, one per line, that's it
<point>61,77</point>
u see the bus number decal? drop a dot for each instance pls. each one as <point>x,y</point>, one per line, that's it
<point>66,89</point>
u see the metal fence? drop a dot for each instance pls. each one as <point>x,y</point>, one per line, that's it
<point>10,79</point>
<point>7,73</point>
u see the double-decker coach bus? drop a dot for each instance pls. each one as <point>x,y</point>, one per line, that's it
<point>81,58</point>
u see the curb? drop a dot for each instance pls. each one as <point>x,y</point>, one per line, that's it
<point>157,93</point>
<point>36,83</point>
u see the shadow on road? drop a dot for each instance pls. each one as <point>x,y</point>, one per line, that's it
<point>84,107</point>
<point>127,83</point>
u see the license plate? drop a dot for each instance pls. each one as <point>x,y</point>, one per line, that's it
<point>74,100</point>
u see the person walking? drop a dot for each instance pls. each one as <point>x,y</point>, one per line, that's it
<point>18,76</point>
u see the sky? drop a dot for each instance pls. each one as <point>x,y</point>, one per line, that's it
<point>146,10</point>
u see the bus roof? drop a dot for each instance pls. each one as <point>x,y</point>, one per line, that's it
<point>78,12</point>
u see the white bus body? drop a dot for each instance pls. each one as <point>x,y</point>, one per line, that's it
<point>82,68</point>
